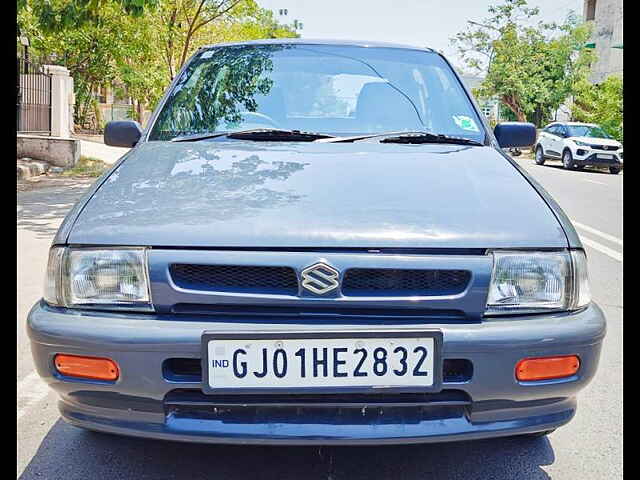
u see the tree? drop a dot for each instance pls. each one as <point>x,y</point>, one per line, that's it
<point>475,45</point>
<point>218,91</point>
<point>111,47</point>
<point>528,68</point>
<point>601,104</point>
<point>57,15</point>
<point>187,23</point>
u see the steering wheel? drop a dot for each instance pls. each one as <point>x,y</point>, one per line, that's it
<point>257,117</point>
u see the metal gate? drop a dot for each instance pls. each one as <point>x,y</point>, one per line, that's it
<point>34,98</point>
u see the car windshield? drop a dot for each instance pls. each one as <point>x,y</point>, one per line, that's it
<point>336,90</point>
<point>587,131</point>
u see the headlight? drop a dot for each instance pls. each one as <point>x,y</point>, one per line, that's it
<point>582,144</point>
<point>533,282</point>
<point>98,278</point>
<point>53,278</point>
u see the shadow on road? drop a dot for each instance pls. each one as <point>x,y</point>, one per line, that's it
<point>69,453</point>
<point>559,166</point>
<point>43,208</point>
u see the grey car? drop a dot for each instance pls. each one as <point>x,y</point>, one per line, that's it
<point>317,242</point>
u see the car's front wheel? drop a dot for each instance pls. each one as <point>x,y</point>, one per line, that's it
<point>614,170</point>
<point>567,160</point>
<point>539,155</point>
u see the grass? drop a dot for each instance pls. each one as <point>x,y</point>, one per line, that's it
<point>87,167</point>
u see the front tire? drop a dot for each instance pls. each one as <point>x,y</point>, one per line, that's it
<point>614,170</point>
<point>539,156</point>
<point>567,160</point>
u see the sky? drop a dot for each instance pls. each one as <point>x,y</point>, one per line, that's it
<point>425,23</point>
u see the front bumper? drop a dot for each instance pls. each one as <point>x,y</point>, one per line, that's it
<point>588,157</point>
<point>140,404</point>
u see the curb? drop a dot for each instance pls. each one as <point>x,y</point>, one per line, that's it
<point>27,168</point>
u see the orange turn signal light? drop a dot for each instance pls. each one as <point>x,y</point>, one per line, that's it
<point>86,367</point>
<point>546,368</point>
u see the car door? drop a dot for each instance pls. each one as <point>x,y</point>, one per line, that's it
<point>554,141</point>
<point>545,139</point>
<point>563,134</point>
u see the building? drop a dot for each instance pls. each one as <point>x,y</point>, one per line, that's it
<point>491,107</point>
<point>606,38</point>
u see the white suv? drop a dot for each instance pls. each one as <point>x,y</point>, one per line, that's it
<point>578,145</point>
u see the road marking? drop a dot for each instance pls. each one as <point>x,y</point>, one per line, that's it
<point>31,389</point>
<point>593,181</point>
<point>602,249</point>
<point>589,229</point>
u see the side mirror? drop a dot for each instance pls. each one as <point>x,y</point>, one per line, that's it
<point>124,133</point>
<point>515,134</point>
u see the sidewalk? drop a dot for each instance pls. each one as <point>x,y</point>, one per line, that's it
<point>101,151</point>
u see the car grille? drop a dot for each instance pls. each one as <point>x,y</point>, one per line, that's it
<point>395,282</point>
<point>191,398</point>
<point>604,147</point>
<point>237,278</point>
<point>182,406</point>
<point>356,282</point>
<point>595,160</point>
<point>189,370</point>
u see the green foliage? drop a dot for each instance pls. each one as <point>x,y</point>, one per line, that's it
<point>136,46</point>
<point>531,69</point>
<point>57,15</point>
<point>90,52</point>
<point>475,44</point>
<point>601,104</point>
<point>216,91</point>
<point>87,167</point>
<point>184,25</point>
<point>506,114</point>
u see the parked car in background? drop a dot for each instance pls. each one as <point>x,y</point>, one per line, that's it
<point>579,145</point>
<point>275,261</point>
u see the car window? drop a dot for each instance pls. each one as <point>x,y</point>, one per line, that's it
<point>340,90</point>
<point>587,131</point>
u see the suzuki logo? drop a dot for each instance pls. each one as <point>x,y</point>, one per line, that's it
<point>320,278</point>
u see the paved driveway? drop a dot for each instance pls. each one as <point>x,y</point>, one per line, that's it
<point>101,151</point>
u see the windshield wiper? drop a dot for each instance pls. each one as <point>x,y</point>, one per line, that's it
<point>427,137</point>
<point>198,136</point>
<point>415,137</point>
<point>259,135</point>
<point>283,135</point>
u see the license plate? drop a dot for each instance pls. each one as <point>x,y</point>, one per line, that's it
<point>605,156</point>
<point>409,361</point>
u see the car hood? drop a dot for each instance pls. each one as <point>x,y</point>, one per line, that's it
<point>598,141</point>
<point>254,194</point>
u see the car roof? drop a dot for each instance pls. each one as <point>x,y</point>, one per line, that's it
<point>306,41</point>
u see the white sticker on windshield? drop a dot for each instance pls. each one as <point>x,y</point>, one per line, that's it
<point>465,123</point>
<point>207,54</point>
